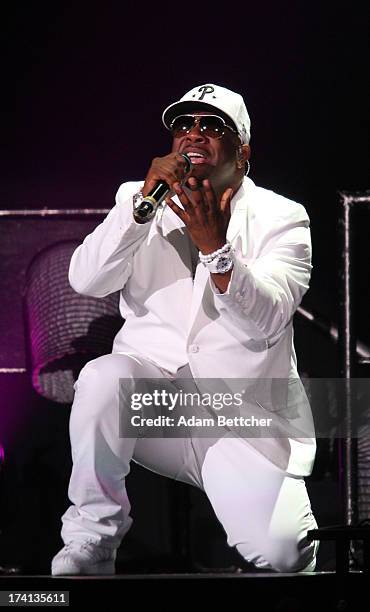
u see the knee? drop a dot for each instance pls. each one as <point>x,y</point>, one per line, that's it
<point>292,558</point>
<point>105,372</point>
<point>124,365</point>
<point>96,390</point>
<point>283,555</point>
<point>95,377</point>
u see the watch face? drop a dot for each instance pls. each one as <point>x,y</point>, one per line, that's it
<point>224,264</point>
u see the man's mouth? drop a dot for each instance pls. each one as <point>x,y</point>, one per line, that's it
<point>196,157</point>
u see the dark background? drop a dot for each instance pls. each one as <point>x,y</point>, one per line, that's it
<point>91,81</point>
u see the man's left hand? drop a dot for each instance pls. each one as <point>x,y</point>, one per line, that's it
<point>206,219</point>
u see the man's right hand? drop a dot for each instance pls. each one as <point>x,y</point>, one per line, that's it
<point>171,169</point>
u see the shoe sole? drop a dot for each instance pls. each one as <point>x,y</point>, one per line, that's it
<point>104,568</point>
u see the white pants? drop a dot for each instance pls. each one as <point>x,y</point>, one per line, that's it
<point>265,512</point>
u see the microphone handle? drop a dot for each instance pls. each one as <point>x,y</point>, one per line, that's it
<point>146,209</point>
<point>158,194</point>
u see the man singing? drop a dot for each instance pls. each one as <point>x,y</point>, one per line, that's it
<point>208,289</point>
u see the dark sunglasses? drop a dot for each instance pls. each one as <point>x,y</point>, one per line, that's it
<point>211,126</point>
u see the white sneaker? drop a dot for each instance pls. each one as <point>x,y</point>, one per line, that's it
<point>84,558</point>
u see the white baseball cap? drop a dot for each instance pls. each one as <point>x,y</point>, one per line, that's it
<point>212,98</point>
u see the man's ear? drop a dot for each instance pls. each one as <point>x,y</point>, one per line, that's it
<point>243,155</point>
<point>245,152</point>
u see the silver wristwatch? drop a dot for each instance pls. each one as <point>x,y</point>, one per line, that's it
<point>220,261</point>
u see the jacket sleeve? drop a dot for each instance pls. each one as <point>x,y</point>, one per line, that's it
<point>264,295</point>
<point>103,262</point>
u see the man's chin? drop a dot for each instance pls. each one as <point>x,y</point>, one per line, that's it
<point>201,171</point>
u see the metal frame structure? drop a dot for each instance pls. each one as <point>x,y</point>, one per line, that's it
<point>347,339</point>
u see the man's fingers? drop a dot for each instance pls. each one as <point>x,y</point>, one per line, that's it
<point>209,195</point>
<point>153,181</point>
<point>226,200</point>
<point>176,168</point>
<point>170,170</point>
<point>177,210</point>
<point>196,201</point>
<point>192,183</point>
<point>185,201</point>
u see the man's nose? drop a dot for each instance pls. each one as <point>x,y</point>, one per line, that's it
<point>195,134</point>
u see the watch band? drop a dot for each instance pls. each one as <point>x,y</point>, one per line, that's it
<point>226,248</point>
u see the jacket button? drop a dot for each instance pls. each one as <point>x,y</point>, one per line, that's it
<point>193,348</point>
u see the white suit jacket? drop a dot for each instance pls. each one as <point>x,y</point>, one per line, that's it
<point>173,319</point>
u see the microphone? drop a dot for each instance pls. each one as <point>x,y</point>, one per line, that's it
<point>145,211</point>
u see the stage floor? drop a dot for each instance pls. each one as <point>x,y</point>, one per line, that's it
<point>273,592</point>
